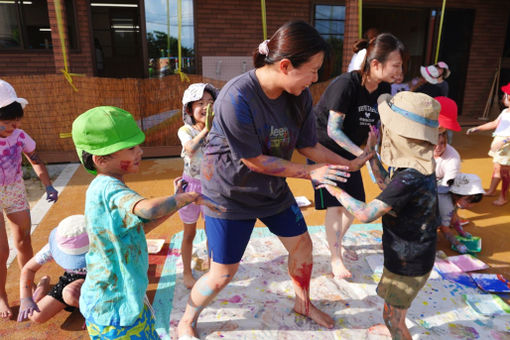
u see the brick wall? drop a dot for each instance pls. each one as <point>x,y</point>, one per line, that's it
<point>43,62</point>
<point>234,28</point>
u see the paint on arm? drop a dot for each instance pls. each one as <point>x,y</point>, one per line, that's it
<point>335,125</point>
<point>275,166</point>
<point>362,211</point>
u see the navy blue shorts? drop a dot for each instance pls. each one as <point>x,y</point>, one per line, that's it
<point>228,239</point>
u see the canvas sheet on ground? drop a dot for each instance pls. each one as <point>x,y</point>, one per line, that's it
<point>258,303</point>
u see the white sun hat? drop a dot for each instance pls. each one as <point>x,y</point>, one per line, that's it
<point>467,184</point>
<point>8,95</point>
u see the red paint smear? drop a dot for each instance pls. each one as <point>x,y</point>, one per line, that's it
<point>302,279</point>
<point>124,165</point>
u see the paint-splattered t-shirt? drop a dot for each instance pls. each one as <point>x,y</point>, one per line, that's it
<point>345,94</point>
<point>410,228</point>
<point>191,162</point>
<point>117,261</point>
<point>249,124</point>
<point>11,148</point>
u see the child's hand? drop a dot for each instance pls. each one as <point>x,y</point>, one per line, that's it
<point>180,185</point>
<point>373,138</point>
<point>471,130</point>
<point>51,194</point>
<point>27,307</point>
<point>209,115</point>
<point>206,201</point>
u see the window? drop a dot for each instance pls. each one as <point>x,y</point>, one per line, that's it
<point>25,24</point>
<point>329,20</point>
<point>162,31</point>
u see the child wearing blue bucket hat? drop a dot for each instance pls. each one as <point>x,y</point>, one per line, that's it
<point>67,246</point>
<point>112,299</point>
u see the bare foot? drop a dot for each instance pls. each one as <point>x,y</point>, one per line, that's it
<point>188,280</point>
<point>316,315</point>
<point>349,254</point>
<point>379,330</point>
<point>185,329</point>
<point>490,193</point>
<point>5,311</point>
<point>339,271</point>
<point>42,288</point>
<point>499,202</point>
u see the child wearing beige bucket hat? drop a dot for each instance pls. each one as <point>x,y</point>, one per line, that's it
<point>408,202</point>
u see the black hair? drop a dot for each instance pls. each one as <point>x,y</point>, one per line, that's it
<point>12,111</point>
<point>296,41</point>
<point>379,49</point>
<point>472,198</point>
<point>87,160</point>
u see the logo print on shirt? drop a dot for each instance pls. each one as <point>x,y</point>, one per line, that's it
<point>279,138</point>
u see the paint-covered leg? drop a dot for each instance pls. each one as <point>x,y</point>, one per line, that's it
<point>337,222</point>
<point>395,320</point>
<point>496,178</point>
<point>300,271</point>
<point>202,293</point>
<point>505,183</point>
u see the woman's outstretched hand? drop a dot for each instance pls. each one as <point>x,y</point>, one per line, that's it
<point>329,174</point>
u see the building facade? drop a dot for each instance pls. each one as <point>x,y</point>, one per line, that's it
<point>139,39</point>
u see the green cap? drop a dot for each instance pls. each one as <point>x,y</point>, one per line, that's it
<point>104,130</point>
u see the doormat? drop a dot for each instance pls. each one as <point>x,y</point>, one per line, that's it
<point>258,303</point>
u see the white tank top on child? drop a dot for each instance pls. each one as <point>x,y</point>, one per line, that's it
<point>192,162</point>
<point>503,128</point>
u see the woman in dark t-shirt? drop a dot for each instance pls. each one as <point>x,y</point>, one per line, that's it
<point>345,113</point>
<point>262,116</point>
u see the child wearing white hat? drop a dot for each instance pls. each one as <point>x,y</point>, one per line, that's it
<point>462,194</point>
<point>67,245</point>
<point>13,201</point>
<point>197,116</point>
<point>408,202</point>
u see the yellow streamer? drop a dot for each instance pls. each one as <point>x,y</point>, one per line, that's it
<point>264,24</point>
<point>68,76</point>
<point>183,75</point>
<point>168,28</point>
<point>65,135</point>
<point>360,18</point>
<point>440,30</point>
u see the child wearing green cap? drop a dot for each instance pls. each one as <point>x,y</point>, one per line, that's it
<point>112,297</point>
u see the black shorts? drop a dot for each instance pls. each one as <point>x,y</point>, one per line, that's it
<point>66,279</point>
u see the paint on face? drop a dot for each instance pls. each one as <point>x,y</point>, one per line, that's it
<point>124,165</point>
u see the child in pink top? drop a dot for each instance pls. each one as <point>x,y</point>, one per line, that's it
<point>13,200</point>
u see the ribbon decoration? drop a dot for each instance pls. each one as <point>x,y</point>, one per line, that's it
<point>183,75</point>
<point>440,30</point>
<point>264,23</point>
<point>68,76</point>
<point>360,17</point>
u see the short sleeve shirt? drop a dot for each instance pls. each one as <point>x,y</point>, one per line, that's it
<point>446,208</point>
<point>191,162</point>
<point>410,228</point>
<point>249,124</point>
<point>503,128</point>
<point>447,165</point>
<point>117,260</point>
<point>11,148</point>
<point>345,94</point>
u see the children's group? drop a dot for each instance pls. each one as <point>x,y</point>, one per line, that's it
<point>237,147</point>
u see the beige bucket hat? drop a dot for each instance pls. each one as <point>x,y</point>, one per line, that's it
<point>410,114</point>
